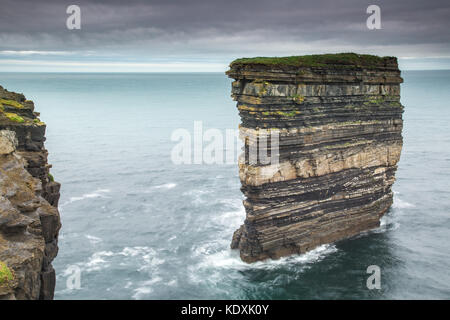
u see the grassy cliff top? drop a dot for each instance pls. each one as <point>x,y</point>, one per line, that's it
<point>317,60</point>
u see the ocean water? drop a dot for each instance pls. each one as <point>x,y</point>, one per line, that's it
<point>138,226</point>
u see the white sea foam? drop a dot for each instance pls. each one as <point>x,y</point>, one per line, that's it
<point>390,221</point>
<point>215,255</point>
<point>400,204</point>
<point>197,195</point>
<point>150,263</point>
<point>172,283</point>
<point>230,220</point>
<point>228,258</point>
<point>145,288</point>
<point>232,202</point>
<point>141,292</point>
<point>141,258</point>
<point>100,193</point>
<point>214,263</point>
<point>93,239</point>
<point>166,186</point>
<point>97,261</point>
<point>152,281</point>
<point>135,251</point>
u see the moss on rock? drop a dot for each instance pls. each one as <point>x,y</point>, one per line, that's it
<point>6,274</point>
<point>14,117</point>
<point>298,99</point>
<point>11,103</point>
<point>38,122</point>
<point>318,60</point>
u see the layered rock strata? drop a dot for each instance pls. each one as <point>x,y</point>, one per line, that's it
<point>29,217</point>
<point>339,121</point>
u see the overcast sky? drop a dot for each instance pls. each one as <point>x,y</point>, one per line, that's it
<point>205,35</point>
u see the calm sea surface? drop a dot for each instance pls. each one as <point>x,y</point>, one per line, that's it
<point>140,227</point>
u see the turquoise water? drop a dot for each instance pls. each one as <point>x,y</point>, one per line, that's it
<point>140,227</point>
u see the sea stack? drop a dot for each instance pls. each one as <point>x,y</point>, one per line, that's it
<point>29,217</point>
<point>339,121</point>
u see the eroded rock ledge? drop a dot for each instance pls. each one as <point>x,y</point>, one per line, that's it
<point>339,120</point>
<point>29,217</point>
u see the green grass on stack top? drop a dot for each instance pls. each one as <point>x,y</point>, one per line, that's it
<point>318,60</point>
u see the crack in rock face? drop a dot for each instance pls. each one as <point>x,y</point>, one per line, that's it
<point>339,121</point>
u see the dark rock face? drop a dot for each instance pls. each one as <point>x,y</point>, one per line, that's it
<point>29,217</point>
<point>339,123</point>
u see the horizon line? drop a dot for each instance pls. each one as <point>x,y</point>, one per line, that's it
<point>143,72</point>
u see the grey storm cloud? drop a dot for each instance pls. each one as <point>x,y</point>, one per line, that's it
<point>221,28</point>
